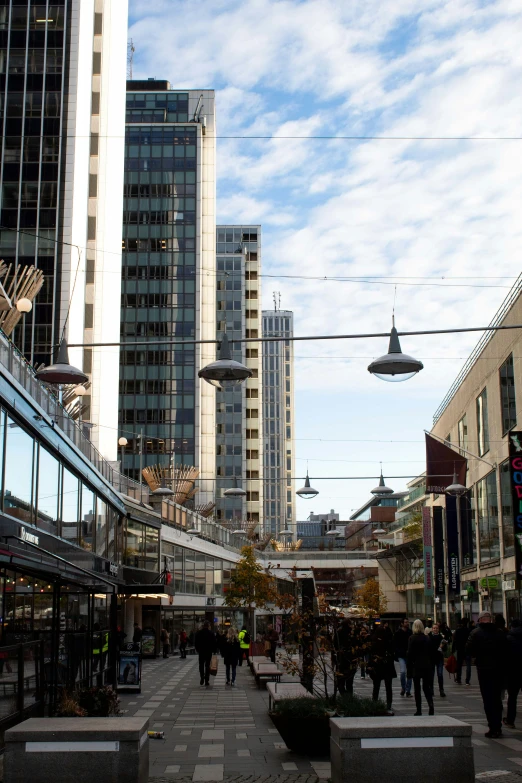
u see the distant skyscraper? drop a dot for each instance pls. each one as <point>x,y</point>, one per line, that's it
<point>278,420</point>
<point>239,410</point>
<point>62,77</point>
<point>169,274</point>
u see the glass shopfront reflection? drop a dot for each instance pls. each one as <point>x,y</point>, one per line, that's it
<point>87,521</point>
<point>48,491</point>
<point>70,499</point>
<point>18,480</point>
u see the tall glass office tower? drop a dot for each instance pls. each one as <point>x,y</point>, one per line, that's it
<point>278,421</point>
<point>168,286</point>
<point>239,410</point>
<point>62,93</point>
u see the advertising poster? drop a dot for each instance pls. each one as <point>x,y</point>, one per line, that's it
<point>438,549</point>
<point>452,544</point>
<point>129,669</point>
<point>148,644</point>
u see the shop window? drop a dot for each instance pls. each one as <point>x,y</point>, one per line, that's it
<point>482,422</point>
<point>507,395</point>
<point>101,528</point>
<point>18,483</point>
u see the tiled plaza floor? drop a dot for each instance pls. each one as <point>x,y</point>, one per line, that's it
<point>222,733</point>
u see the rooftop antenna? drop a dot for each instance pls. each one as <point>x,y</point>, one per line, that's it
<point>130,57</point>
<point>277,301</point>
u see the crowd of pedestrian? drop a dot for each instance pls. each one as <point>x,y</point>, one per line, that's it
<point>423,653</point>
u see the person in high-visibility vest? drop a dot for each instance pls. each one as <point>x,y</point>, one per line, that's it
<point>101,638</point>
<point>244,644</point>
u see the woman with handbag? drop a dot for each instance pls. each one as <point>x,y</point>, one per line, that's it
<point>231,652</point>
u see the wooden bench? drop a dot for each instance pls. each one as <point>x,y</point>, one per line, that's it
<point>266,672</point>
<point>285,690</point>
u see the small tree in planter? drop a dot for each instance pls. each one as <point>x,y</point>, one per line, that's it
<point>252,588</point>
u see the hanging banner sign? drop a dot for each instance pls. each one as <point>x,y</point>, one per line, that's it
<point>515,465</point>
<point>427,552</point>
<point>452,543</point>
<point>438,549</point>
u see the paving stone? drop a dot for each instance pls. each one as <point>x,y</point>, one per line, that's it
<point>211,751</point>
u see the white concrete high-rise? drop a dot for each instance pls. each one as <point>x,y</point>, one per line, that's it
<point>278,421</point>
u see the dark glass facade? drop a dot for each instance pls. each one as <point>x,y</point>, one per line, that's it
<point>33,44</point>
<point>158,295</point>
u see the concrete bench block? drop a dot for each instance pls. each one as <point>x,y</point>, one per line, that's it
<point>431,749</point>
<point>82,750</point>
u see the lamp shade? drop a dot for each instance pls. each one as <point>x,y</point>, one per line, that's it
<point>122,442</point>
<point>80,391</point>
<point>234,492</point>
<point>307,491</point>
<point>382,489</point>
<point>395,365</point>
<point>285,532</point>
<point>225,372</point>
<point>62,372</point>
<point>193,531</point>
<point>455,488</point>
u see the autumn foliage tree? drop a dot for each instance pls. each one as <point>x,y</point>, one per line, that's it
<point>252,588</point>
<point>371,598</point>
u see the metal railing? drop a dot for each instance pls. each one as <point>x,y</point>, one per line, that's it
<point>17,366</point>
<point>484,340</point>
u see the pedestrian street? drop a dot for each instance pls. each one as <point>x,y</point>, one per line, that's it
<point>219,733</point>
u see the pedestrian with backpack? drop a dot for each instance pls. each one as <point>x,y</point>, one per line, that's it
<point>244,645</point>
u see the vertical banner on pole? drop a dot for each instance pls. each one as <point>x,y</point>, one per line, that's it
<point>515,465</point>
<point>452,538</point>
<point>428,552</point>
<point>466,530</point>
<point>438,550</point>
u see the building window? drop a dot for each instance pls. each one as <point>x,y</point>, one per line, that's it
<point>463,433</point>
<point>486,504</point>
<point>507,395</point>
<point>482,422</point>
<point>507,510</point>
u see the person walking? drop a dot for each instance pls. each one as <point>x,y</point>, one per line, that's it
<point>137,635</point>
<point>272,638</point>
<point>364,637</point>
<point>231,652</point>
<point>460,638</point>
<point>165,641</point>
<point>348,649</point>
<point>183,640</point>
<point>419,661</point>
<point>244,645</point>
<point>380,663</point>
<point>489,646</point>
<point>400,644</point>
<point>205,643</point>
<point>439,645</point>
<point>514,674</point>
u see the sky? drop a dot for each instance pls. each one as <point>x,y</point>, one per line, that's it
<point>427,217</point>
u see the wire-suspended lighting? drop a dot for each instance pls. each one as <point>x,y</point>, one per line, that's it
<point>62,372</point>
<point>395,365</point>
<point>456,489</point>
<point>285,532</point>
<point>235,492</point>
<point>225,372</point>
<point>381,489</point>
<point>333,533</point>
<point>307,491</point>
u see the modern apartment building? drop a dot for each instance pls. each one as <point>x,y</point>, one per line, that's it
<point>239,410</point>
<point>62,77</point>
<point>278,421</point>
<point>168,286</point>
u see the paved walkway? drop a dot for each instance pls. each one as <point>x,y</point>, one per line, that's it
<point>222,733</point>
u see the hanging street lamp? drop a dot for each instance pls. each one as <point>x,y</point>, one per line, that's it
<point>307,492</point>
<point>455,489</point>
<point>225,372</point>
<point>62,372</point>
<point>382,489</point>
<point>235,492</point>
<point>395,365</point>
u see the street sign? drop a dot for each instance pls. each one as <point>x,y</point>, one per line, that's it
<point>490,582</point>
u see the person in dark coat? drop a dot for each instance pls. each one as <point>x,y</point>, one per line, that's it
<point>231,651</point>
<point>420,666</point>
<point>514,675</point>
<point>400,643</point>
<point>138,633</point>
<point>489,646</point>
<point>348,650</point>
<point>380,665</point>
<point>460,639</point>
<point>438,645</point>
<point>205,644</point>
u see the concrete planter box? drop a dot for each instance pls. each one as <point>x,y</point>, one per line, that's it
<point>77,750</point>
<point>430,749</point>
